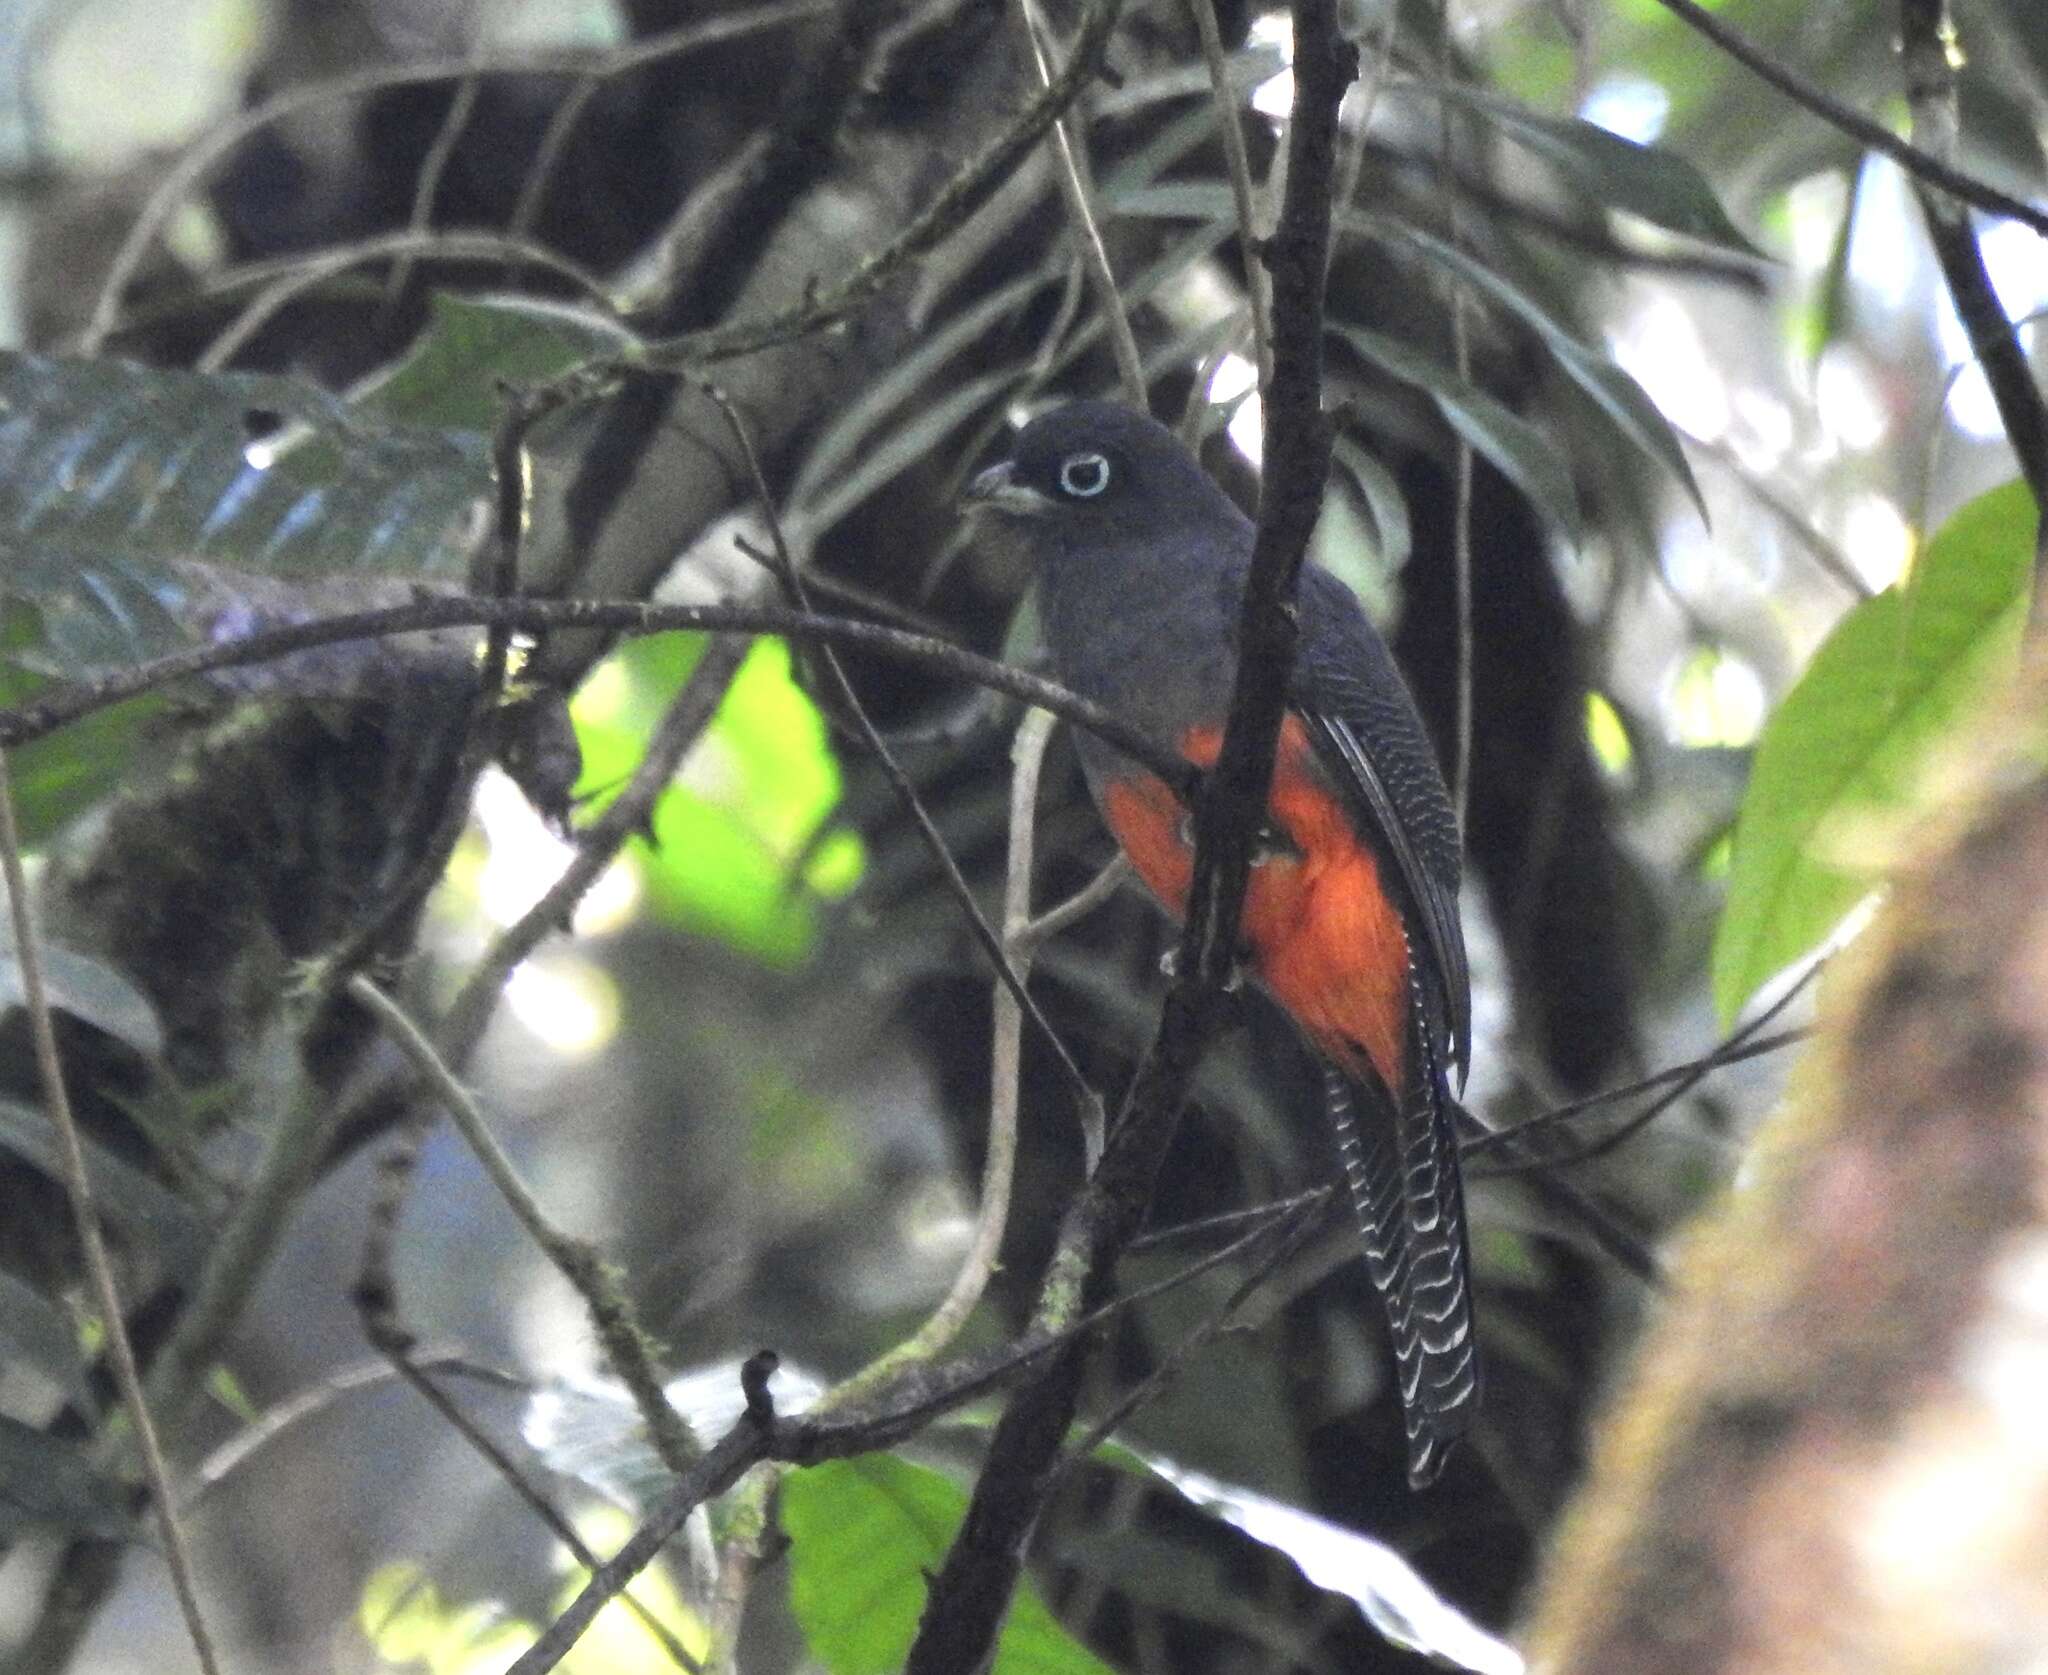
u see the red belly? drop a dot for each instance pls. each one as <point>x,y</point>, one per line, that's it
<point>1321,933</point>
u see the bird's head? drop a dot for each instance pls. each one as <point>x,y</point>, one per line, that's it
<point>1091,475</point>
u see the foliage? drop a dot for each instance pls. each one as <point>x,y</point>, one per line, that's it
<point>785,1151</point>
<point>1845,752</point>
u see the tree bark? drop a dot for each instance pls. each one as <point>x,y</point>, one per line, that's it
<point>1830,1455</point>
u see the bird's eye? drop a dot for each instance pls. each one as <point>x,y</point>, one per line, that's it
<point>1084,475</point>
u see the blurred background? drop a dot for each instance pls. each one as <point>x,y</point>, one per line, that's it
<point>757,1070</point>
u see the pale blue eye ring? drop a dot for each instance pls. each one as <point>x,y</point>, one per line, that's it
<point>1084,475</point>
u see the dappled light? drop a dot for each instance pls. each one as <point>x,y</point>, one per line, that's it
<point>709,968</point>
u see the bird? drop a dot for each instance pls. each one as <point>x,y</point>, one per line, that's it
<point>1351,919</point>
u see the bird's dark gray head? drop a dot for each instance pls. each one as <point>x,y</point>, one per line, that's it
<point>1092,476</point>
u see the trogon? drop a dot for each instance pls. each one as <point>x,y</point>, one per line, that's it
<point>1351,917</point>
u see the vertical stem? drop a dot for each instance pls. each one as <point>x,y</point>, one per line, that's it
<point>100,1269</point>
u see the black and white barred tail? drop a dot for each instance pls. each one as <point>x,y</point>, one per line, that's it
<point>1410,1203</point>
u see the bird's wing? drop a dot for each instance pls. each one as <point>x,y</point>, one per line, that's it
<point>1391,809</point>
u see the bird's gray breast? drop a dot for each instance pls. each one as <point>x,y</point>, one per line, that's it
<point>1156,649</point>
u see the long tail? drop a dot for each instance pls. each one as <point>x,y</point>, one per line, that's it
<point>1411,1210</point>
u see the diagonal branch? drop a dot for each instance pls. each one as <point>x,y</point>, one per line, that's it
<point>106,1296</point>
<point>1927,34</point>
<point>24,723</point>
<point>967,1600</point>
<point>1932,170</point>
<point>212,150</point>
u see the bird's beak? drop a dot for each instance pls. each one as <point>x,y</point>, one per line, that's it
<point>997,490</point>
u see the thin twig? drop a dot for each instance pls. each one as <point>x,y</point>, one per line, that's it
<point>579,1261</point>
<point>1927,33</point>
<point>597,846</point>
<point>1067,170</point>
<point>427,186</point>
<point>949,209</point>
<point>241,1253</point>
<point>1230,123</point>
<point>1295,1225</point>
<point>1686,1078</point>
<point>211,150</point>
<point>512,483</point>
<point>312,269</point>
<point>739,1562</point>
<point>28,956</point>
<point>24,723</point>
<point>1827,557</point>
<point>548,155</point>
<point>486,1448</point>
<point>1006,1067</point>
<point>375,1297</point>
<point>967,1599</point>
<point>1461,508</point>
<point>1228,1221</point>
<point>836,1428</point>
<point>1719,1057</point>
<point>1076,907</point>
<point>785,567</point>
<point>1872,135</point>
<point>695,266</point>
<point>316,1399</point>
<point>1370,84</point>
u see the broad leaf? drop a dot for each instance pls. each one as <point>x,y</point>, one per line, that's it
<point>1516,448</point>
<point>78,984</point>
<point>1385,504</point>
<point>1846,743</point>
<point>454,375</point>
<point>132,500</point>
<point>1610,389</point>
<point>1649,181</point>
<point>61,776</point>
<point>1388,1590</point>
<point>588,1428</point>
<point>47,1483</point>
<point>120,1191</point>
<point>864,1534</point>
<point>35,1332</point>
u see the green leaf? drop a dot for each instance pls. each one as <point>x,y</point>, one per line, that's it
<point>48,1483</point>
<point>1658,185</point>
<point>1385,505</point>
<point>134,503</point>
<point>1178,200</point>
<point>453,376</point>
<point>864,1534</point>
<point>58,777</point>
<point>1516,448</point>
<point>742,823</point>
<point>120,1191</point>
<point>87,989</point>
<point>35,1332</point>
<point>1848,740</point>
<point>851,430</point>
<point>1630,410</point>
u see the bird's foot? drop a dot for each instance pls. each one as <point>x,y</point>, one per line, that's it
<point>1169,968</point>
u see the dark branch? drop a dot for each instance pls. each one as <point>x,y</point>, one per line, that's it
<point>909,1403</point>
<point>967,1600</point>
<point>1927,34</point>
<point>26,722</point>
<point>1873,135</point>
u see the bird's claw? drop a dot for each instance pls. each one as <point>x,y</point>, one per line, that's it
<point>1169,968</point>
